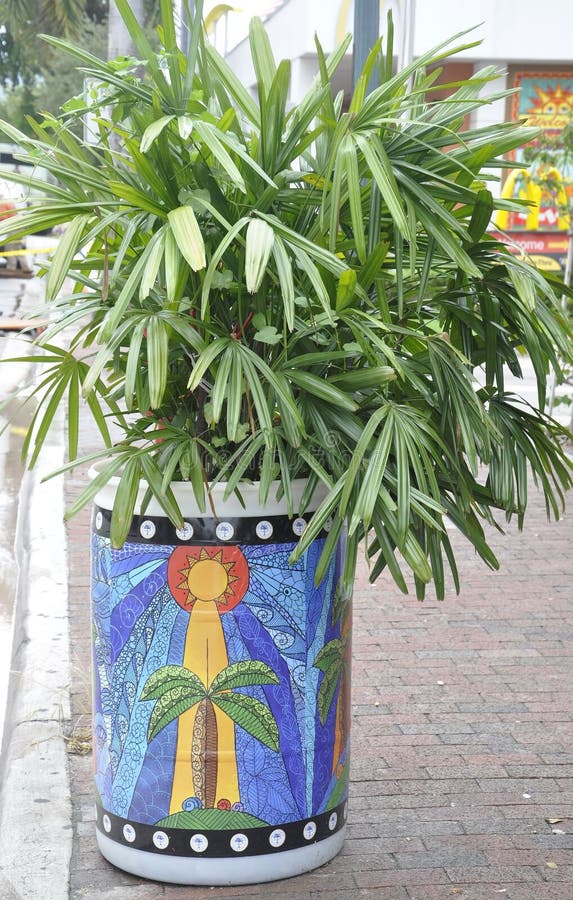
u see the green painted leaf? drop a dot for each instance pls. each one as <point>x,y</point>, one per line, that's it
<point>163,679</point>
<point>340,788</point>
<point>327,691</point>
<point>172,704</point>
<point>242,674</point>
<point>252,715</point>
<point>329,655</point>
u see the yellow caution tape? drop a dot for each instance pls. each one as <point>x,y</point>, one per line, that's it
<point>30,251</point>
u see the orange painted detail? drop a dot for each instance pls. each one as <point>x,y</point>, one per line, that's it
<point>219,574</point>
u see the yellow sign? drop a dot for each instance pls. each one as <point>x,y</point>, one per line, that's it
<point>544,211</point>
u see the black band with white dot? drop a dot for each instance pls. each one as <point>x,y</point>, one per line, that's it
<point>221,843</point>
<point>206,530</point>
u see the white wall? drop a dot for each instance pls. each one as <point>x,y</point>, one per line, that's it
<point>291,35</point>
<point>512,30</point>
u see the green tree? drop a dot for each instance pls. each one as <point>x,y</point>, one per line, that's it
<point>60,80</point>
<point>60,17</point>
<point>38,76</point>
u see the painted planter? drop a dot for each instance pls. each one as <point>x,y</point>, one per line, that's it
<point>221,695</point>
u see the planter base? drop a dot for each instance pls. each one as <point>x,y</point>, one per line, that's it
<point>222,871</point>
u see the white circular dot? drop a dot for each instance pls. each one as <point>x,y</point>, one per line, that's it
<point>106,824</point>
<point>99,520</point>
<point>224,531</point>
<point>147,529</point>
<point>277,837</point>
<point>129,833</point>
<point>264,530</point>
<point>199,843</point>
<point>309,830</point>
<point>239,842</point>
<point>299,526</point>
<point>185,533</point>
<point>160,840</point>
<point>332,821</point>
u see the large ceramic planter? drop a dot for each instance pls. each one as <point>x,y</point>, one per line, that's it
<point>221,695</point>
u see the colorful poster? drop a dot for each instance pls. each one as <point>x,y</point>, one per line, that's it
<point>544,100</point>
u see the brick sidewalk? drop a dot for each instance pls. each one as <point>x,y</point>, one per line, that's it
<point>462,760</point>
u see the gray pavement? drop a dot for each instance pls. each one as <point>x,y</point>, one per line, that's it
<point>462,775</point>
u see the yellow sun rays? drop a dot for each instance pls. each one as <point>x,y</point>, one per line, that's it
<point>207,578</point>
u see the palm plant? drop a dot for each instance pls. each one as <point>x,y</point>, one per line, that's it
<point>263,293</point>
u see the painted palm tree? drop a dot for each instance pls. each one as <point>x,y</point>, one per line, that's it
<point>334,662</point>
<point>177,690</point>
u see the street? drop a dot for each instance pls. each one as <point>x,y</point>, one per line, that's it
<point>18,299</point>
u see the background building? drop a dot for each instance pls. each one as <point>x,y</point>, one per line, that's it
<point>530,42</point>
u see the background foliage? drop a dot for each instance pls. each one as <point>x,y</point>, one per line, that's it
<point>36,77</point>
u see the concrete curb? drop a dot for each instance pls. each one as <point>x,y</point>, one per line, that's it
<point>35,807</point>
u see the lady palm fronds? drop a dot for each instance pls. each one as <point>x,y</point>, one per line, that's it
<point>277,292</point>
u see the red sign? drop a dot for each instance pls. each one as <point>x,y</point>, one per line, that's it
<point>546,250</point>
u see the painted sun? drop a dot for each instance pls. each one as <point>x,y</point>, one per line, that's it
<point>208,575</point>
<point>551,108</point>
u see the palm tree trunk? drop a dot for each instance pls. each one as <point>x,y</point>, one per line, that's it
<point>211,754</point>
<point>198,752</point>
<point>204,753</point>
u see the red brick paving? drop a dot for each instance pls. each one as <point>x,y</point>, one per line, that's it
<point>462,736</point>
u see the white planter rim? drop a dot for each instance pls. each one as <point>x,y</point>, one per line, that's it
<point>232,506</point>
